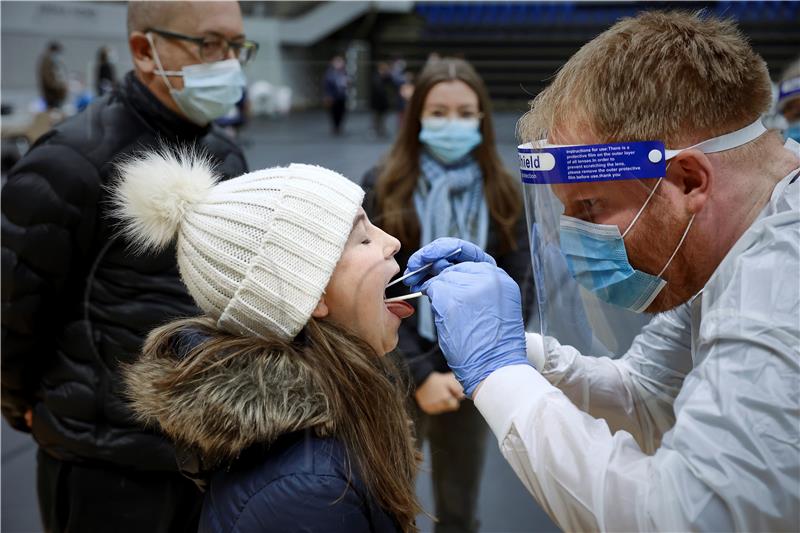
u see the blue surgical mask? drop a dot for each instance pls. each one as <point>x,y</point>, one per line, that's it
<point>450,139</point>
<point>597,259</point>
<point>793,131</point>
<point>209,91</point>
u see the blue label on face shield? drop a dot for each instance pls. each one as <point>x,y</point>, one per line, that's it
<point>592,162</point>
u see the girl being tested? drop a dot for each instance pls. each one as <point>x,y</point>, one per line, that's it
<point>444,178</point>
<point>280,388</point>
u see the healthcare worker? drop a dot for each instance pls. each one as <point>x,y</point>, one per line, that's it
<point>671,199</point>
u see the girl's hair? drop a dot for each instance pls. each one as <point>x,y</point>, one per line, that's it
<point>395,186</point>
<point>364,405</point>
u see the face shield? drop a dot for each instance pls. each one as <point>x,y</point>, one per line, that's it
<point>588,294</point>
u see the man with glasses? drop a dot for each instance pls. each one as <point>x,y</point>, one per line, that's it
<point>78,301</point>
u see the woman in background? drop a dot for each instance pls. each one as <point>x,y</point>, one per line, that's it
<point>444,178</point>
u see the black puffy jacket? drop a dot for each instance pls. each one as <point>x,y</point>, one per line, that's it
<point>77,303</point>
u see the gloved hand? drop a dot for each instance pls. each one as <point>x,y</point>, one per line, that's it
<point>435,253</point>
<point>478,314</point>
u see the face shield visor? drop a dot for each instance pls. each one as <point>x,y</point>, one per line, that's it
<point>588,294</point>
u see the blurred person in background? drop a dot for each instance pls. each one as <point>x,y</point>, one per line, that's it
<point>432,57</point>
<point>398,70</point>
<point>335,87</point>
<point>405,91</point>
<point>52,76</point>
<point>443,177</point>
<point>382,97</point>
<point>789,100</point>
<point>77,302</point>
<point>234,120</point>
<point>106,78</point>
<point>79,95</point>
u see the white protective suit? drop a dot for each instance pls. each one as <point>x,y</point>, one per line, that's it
<point>696,427</point>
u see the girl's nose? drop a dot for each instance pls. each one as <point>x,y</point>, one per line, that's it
<point>393,245</point>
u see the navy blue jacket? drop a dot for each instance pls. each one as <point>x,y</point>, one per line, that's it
<point>299,484</point>
<point>234,429</point>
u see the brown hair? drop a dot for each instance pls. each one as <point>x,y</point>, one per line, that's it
<point>395,186</point>
<point>673,76</point>
<point>332,382</point>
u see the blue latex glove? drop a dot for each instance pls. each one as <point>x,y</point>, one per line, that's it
<point>477,309</point>
<point>435,253</point>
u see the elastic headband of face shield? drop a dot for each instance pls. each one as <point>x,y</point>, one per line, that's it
<point>721,143</point>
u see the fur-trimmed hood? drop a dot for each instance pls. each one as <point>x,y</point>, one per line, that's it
<point>223,405</point>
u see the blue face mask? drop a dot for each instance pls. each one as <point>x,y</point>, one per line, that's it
<point>793,131</point>
<point>450,139</point>
<point>597,259</point>
<point>209,91</point>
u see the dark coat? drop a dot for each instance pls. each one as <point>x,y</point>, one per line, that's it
<point>77,302</point>
<point>299,484</point>
<point>422,355</point>
<point>383,93</point>
<point>252,421</point>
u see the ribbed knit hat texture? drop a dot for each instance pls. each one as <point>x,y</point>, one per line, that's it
<point>255,252</point>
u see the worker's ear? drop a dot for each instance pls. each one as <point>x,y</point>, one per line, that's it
<point>693,175</point>
<point>141,52</point>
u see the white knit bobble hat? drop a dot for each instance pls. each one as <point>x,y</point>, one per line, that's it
<point>256,252</point>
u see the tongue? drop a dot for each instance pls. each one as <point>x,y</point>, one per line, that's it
<point>401,309</point>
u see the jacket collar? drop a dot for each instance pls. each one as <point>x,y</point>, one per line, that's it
<point>162,120</point>
<point>225,407</point>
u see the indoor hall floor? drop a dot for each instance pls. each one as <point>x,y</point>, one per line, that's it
<point>504,504</point>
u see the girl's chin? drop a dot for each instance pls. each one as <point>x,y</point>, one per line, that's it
<point>391,345</point>
<point>389,337</point>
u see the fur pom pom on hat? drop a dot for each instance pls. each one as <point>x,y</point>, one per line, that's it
<point>156,190</point>
<point>255,252</point>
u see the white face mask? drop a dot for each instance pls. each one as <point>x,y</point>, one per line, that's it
<point>209,91</point>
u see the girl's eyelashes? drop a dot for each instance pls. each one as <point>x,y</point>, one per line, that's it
<point>366,241</point>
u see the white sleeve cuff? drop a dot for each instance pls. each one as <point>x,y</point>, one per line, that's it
<point>508,391</point>
<point>534,345</point>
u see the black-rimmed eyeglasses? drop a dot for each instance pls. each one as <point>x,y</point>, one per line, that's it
<point>213,47</point>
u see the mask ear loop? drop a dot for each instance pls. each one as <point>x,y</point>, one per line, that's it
<point>685,233</point>
<point>163,73</point>
<point>650,197</point>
